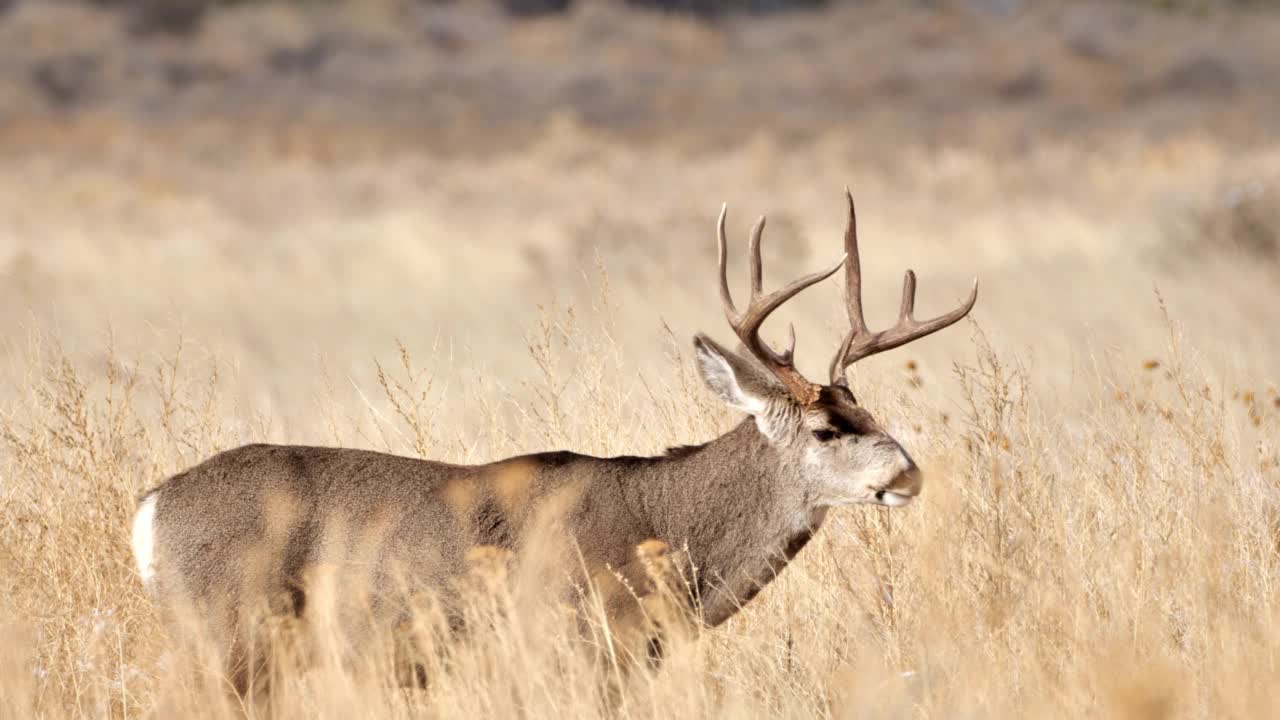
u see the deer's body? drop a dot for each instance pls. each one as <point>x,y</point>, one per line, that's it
<point>720,500</point>
<point>263,518</point>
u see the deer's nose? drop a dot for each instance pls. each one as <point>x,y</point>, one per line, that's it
<point>909,482</point>
<point>904,486</point>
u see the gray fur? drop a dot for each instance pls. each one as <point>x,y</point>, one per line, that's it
<point>261,517</point>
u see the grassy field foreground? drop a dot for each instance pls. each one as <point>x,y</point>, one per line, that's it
<point>1100,529</point>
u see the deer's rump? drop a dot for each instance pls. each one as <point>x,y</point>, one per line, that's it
<point>264,521</point>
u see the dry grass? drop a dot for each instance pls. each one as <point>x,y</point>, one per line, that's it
<point>1115,553</point>
<point>1100,530</point>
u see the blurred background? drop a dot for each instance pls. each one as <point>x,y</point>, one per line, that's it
<point>464,230</point>
<point>292,186</point>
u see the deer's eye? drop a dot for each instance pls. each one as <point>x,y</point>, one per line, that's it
<point>825,435</point>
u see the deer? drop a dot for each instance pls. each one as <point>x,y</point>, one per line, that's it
<point>740,506</point>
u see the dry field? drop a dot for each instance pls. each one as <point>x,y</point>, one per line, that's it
<point>1100,529</point>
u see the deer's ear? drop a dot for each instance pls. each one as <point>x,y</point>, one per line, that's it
<point>735,380</point>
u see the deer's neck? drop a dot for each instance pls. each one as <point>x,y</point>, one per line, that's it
<point>739,507</point>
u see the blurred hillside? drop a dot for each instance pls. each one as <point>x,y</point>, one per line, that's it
<point>292,181</point>
<point>1002,73</point>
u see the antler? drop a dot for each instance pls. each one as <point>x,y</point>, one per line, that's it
<point>747,324</point>
<point>861,342</point>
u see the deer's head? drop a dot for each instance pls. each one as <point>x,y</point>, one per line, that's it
<point>840,451</point>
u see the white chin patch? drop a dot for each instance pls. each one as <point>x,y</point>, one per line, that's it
<point>892,499</point>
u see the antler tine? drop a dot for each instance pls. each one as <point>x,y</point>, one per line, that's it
<point>746,325</point>
<point>722,252</point>
<point>861,342</point>
<point>908,328</point>
<point>853,270</point>
<point>908,310</point>
<point>753,247</point>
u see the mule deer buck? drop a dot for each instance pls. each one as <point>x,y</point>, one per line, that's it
<point>741,505</point>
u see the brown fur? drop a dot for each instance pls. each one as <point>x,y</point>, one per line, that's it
<point>725,500</point>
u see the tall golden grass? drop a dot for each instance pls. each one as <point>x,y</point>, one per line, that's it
<point>1120,559</point>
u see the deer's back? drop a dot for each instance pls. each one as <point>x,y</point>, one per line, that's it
<point>266,516</point>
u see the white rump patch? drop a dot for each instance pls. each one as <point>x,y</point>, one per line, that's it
<point>144,538</point>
